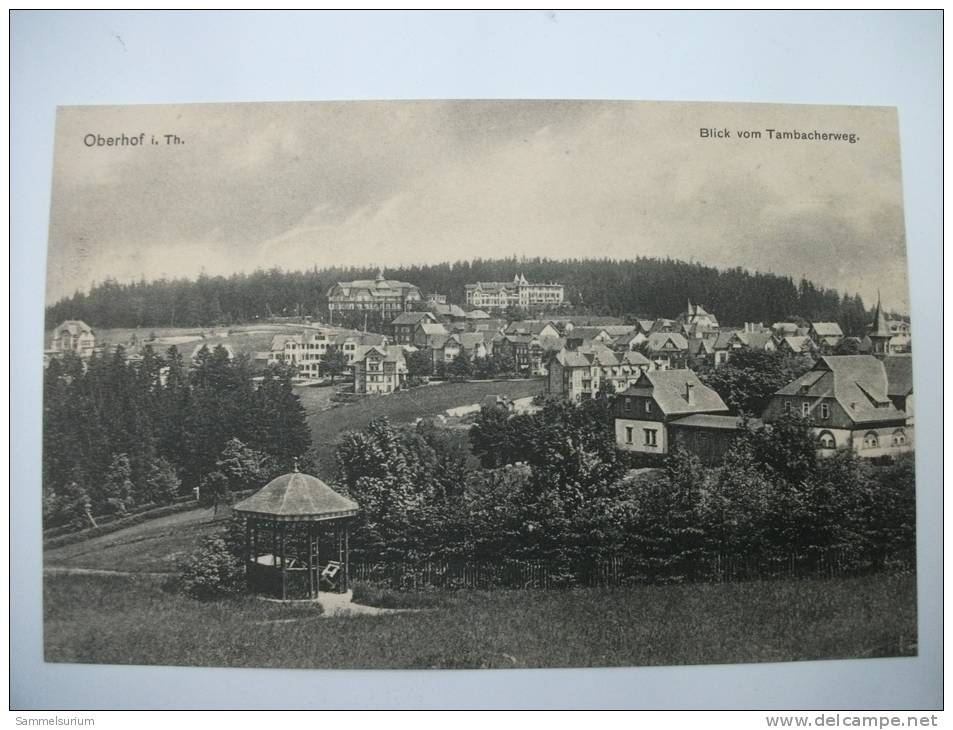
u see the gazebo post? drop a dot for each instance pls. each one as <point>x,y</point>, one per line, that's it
<point>247,544</point>
<point>284,564</point>
<point>317,562</point>
<point>274,543</point>
<point>347,559</point>
<point>310,560</point>
<point>340,536</point>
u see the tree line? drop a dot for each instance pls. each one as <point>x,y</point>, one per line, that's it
<point>119,434</point>
<point>643,287</point>
<point>553,487</point>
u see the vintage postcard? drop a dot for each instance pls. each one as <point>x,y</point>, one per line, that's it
<point>477,384</point>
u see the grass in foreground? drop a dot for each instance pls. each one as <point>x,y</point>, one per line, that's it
<point>131,620</point>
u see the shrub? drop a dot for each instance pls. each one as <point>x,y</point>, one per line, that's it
<point>212,571</point>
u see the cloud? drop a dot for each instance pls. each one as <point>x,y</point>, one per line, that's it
<point>299,185</point>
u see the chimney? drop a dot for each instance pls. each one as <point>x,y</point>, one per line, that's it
<point>690,394</point>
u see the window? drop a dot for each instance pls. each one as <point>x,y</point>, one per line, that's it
<point>825,411</point>
<point>899,437</point>
<point>805,409</point>
<point>787,408</point>
<point>826,440</point>
<point>871,441</point>
<point>627,406</point>
<point>628,434</point>
<point>650,434</point>
<point>648,406</point>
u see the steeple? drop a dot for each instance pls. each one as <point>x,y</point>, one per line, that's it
<point>880,327</point>
<point>880,331</point>
<point>380,275</point>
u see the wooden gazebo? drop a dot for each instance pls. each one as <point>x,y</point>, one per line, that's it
<point>291,525</point>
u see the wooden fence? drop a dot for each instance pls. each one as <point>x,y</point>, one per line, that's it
<point>611,571</point>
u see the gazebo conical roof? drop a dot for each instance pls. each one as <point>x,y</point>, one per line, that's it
<point>297,497</point>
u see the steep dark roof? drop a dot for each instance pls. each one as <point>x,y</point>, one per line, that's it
<point>899,370</point>
<point>297,497</point>
<point>858,382</point>
<point>668,389</point>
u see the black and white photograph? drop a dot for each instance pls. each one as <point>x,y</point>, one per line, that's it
<point>477,384</point>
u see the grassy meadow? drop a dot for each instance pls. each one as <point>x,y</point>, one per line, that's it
<point>135,620</point>
<point>327,424</point>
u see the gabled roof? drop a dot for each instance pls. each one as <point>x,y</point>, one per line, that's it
<point>857,382</point>
<point>668,389</point>
<point>588,333</point>
<point>412,317</point>
<point>631,357</point>
<point>573,359</point>
<point>432,328</point>
<point>659,340</point>
<point>297,497</point>
<point>827,329</point>
<point>619,330</point>
<point>477,314</point>
<point>530,326</point>
<point>899,369</point>
<point>390,353</point>
<point>448,310</point>
<point>75,327</point>
<point>469,340</point>
<point>799,343</point>
<point>723,340</point>
<point>755,340</point>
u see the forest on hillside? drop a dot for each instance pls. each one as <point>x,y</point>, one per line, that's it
<point>643,287</point>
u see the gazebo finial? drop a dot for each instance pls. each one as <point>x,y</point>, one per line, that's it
<point>296,465</point>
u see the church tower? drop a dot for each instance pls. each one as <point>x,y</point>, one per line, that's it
<point>880,332</point>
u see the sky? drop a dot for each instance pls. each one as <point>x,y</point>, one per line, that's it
<point>300,185</point>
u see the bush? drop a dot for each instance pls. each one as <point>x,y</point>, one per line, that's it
<point>213,571</point>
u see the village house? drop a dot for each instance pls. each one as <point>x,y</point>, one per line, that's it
<point>379,369</point>
<point>631,341</point>
<point>304,351</point>
<point>795,345</point>
<point>446,348</point>
<point>386,296</point>
<point>578,374</point>
<point>826,335</point>
<point>530,352</point>
<point>578,336</point>
<point>74,336</point>
<point>847,400</point>
<point>667,350</point>
<point>696,321</point>
<point>518,293</point>
<point>540,328</point>
<point>448,312</point>
<point>647,411</point>
<point>403,326</point>
<point>425,330</point>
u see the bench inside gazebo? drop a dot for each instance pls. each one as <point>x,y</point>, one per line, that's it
<point>296,537</point>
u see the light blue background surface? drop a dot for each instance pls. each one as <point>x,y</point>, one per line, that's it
<point>62,58</point>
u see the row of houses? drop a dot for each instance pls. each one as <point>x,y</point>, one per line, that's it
<point>856,402</point>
